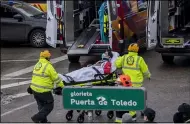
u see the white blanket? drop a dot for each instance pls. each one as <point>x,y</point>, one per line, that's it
<point>87,73</point>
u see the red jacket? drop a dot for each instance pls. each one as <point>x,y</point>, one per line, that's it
<point>107,68</point>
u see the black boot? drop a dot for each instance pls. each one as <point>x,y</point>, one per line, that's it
<point>134,117</point>
<point>35,120</point>
<point>45,121</point>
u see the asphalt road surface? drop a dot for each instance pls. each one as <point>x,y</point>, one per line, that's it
<point>168,88</point>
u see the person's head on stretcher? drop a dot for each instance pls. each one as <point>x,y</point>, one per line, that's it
<point>107,55</point>
<point>124,80</point>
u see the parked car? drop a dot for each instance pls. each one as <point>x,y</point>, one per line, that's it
<point>22,22</point>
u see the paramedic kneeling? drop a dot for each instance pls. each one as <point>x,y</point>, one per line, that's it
<point>134,66</point>
<point>44,80</point>
<point>124,81</point>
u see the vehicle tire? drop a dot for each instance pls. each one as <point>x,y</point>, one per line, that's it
<point>37,38</point>
<point>69,116</point>
<point>168,59</point>
<point>110,114</point>
<point>80,118</point>
<point>74,59</point>
<point>98,112</point>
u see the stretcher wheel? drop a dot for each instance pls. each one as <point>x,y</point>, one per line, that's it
<point>110,114</point>
<point>69,116</point>
<point>80,118</point>
<point>98,112</point>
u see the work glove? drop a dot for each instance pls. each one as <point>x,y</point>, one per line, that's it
<point>57,91</point>
<point>29,90</point>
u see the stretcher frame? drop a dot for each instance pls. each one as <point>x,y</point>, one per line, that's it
<point>104,80</point>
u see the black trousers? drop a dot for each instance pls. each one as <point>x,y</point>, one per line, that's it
<point>45,104</point>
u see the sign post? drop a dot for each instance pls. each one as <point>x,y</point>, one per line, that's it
<point>104,98</point>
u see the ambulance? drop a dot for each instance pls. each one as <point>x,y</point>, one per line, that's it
<point>168,28</point>
<point>89,28</point>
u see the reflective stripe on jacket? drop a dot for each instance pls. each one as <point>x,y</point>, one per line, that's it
<point>105,23</point>
<point>44,77</point>
<point>134,66</point>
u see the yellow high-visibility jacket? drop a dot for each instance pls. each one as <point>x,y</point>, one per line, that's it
<point>134,66</point>
<point>45,77</point>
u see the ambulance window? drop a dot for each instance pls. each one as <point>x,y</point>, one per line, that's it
<point>152,7</point>
<point>76,22</point>
<point>51,7</point>
<point>76,4</point>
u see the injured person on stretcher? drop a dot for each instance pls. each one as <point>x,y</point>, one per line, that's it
<point>103,68</point>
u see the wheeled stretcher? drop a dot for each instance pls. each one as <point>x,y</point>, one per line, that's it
<point>91,76</point>
<point>90,73</point>
<point>106,80</point>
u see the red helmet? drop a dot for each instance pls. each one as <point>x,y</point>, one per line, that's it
<point>125,80</point>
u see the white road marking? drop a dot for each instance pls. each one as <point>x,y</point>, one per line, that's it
<point>6,99</point>
<point>16,109</point>
<point>20,95</point>
<point>18,60</point>
<point>18,73</point>
<point>15,84</point>
<point>21,107</point>
<point>4,79</point>
<point>29,69</point>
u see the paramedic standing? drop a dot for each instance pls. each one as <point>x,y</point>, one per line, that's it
<point>134,66</point>
<point>44,80</point>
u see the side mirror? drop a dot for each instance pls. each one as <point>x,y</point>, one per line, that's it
<point>18,17</point>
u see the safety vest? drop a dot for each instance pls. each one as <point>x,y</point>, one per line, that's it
<point>134,66</point>
<point>106,24</point>
<point>44,77</point>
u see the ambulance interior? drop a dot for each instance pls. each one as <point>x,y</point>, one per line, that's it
<point>86,24</point>
<point>179,19</point>
<point>83,17</point>
<point>83,14</point>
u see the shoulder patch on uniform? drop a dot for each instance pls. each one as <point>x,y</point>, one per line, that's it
<point>38,66</point>
<point>130,60</point>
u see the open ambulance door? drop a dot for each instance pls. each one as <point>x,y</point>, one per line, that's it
<point>152,24</point>
<point>51,27</point>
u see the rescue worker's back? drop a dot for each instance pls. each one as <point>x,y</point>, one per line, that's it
<point>44,77</point>
<point>133,65</point>
<point>44,80</point>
